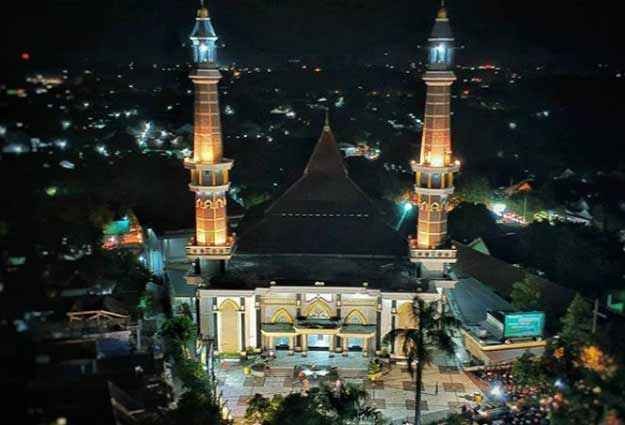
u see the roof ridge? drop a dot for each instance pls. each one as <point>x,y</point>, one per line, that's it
<point>326,157</point>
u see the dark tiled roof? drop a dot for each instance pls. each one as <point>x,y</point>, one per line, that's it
<point>470,301</point>
<point>500,276</point>
<point>324,212</point>
<point>278,327</point>
<point>353,328</point>
<point>251,271</point>
<point>326,158</point>
<point>104,303</point>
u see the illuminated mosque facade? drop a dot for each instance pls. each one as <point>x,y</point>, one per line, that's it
<point>318,268</point>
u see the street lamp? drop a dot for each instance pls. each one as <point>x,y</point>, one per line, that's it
<point>497,391</point>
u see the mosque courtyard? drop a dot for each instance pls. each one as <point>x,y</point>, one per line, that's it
<point>446,387</point>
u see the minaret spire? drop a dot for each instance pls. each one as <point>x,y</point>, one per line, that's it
<point>326,125</point>
<point>203,39</point>
<point>213,243</point>
<point>435,169</point>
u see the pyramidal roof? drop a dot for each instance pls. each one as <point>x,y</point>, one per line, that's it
<point>326,158</point>
<point>324,212</point>
<point>325,186</point>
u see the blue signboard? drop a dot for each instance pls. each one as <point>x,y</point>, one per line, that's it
<point>524,325</point>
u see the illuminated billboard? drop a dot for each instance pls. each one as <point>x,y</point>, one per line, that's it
<point>524,325</point>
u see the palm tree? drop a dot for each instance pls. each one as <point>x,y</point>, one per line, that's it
<point>419,343</point>
<point>348,402</point>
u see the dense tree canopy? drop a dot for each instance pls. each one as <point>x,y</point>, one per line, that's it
<point>526,294</point>
<point>470,221</point>
<point>575,256</point>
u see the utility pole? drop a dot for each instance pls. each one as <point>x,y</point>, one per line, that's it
<point>595,314</point>
<point>139,334</point>
<point>525,209</point>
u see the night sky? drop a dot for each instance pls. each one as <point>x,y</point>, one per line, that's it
<point>76,32</point>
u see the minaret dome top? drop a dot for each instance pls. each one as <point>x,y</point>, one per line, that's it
<point>202,12</point>
<point>442,14</point>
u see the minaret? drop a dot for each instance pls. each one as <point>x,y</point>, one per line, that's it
<point>212,244</point>
<point>436,167</point>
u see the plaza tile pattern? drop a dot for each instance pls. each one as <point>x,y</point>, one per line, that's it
<point>377,403</point>
<point>254,382</point>
<point>448,369</point>
<point>243,400</point>
<point>408,386</point>
<point>411,403</point>
<point>445,389</point>
<point>374,385</point>
<point>453,387</point>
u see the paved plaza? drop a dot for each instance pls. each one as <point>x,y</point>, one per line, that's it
<point>446,387</point>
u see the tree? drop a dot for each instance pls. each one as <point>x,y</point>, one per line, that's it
<point>419,344</point>
<point>470,221</point>
<point>260,409</point>
<point>456,419</point>
<point>348,401</point>
<point>331,405</point>
<point>526,294</point>
<point>529,371</point>
<point>179,328</point>
<point>197,408</point>
<point>475,190</point>
<point>577,323</point>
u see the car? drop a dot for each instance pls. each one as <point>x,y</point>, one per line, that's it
<point>487,414</point>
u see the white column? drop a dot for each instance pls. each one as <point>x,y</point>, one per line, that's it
<point>241,329</point>
<point>291,345</point>
<point>250,314</point>
<point>304,344</point>
<point>219,336</point>
<point>206,315</point>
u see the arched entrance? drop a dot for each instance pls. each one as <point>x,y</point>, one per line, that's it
<point>355,317</point>
<point>230,330</point>
<point>405,320</point>
<point>320,310</point>
<point>282,342</point>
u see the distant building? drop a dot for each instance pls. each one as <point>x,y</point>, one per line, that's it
<point>361,149</point>
<point>127,233</point>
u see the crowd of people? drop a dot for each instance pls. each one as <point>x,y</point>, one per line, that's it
<point>510,403</point>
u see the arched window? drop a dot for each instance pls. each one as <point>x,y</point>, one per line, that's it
<point>356,317</point>
<point>281,316</point>
<point>318,310</point>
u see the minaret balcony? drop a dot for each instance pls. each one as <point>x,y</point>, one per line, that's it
<point>210,190</point>
<point>205,71</point>
<point>444,77</point>
<point>417,253</point>
<point>431,169</point>
<point>212,252</point>
<point>447,191</point>
<point>223,164</point>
